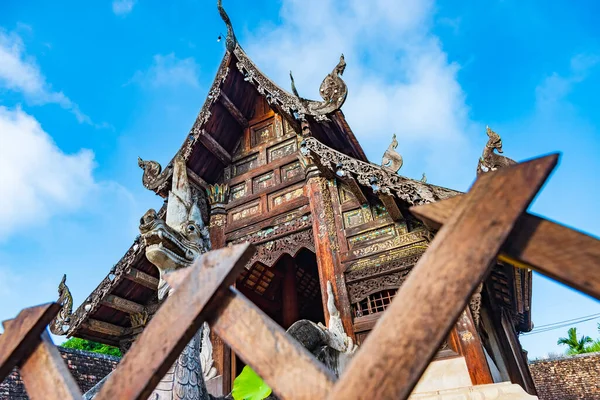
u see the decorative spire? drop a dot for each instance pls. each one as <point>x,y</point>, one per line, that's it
<point>231,41</point>
<point>391,160</point>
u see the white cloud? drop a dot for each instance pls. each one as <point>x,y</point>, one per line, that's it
<point>123,7</point>
<point>168,71</point>
<point>399,78</point>
<point>39,179</point>
<point>554,88</point>
<point>20,73</point>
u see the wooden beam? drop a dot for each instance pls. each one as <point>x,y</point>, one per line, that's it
<point>175,323</point>
<point>195,178</point>
<point>215,148</point>
<point>104,327</point>
<point>46,375</point>
<point>356,189</point>
<point>409,333</point>
<point>233,110</point>
<point>564,254</point>
<point>391,207</point>
<point>21,335</point>
<point>118,303</point>
<point>290,369</point>
<point>142,278</point>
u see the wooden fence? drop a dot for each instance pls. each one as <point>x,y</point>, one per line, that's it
<point>487,223</point>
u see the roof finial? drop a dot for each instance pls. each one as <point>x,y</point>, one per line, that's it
<point>294,90</point>
<point>424,178</point>
<point>489,160</point>
<point>391,160</point>
<point>231,41</point>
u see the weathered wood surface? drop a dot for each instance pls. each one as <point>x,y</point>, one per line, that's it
<point>233,110</point>
<point>215,148</point>
<point>46,375</point>
<point>564,254</point>
<point>281,361</point>
<point>22,334</point>
<point>173,326</point>
<point>405,339</point>
<point>327,247</point>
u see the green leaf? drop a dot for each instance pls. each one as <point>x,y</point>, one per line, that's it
<point>249,386</point>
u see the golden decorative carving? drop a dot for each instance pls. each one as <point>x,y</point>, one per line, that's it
<point>411,237</point>
<point>139,320</point>
<point>217,220</point>
<point>388,257</point>
<point>217,193</point>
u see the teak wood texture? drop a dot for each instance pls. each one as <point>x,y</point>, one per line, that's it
<point>564,254</point>
<point>405,339</point>
<point>489,220</point>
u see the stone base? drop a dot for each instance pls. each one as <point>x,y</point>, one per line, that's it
<point>496,391</point>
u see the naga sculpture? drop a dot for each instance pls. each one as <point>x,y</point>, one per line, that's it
<point>491,161</point>
<point>391,160</point>
<point>172,244</point>
<point>60,323</point>
<point>154,177</point>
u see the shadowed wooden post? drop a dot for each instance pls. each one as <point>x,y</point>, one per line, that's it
<point>22,334</point>
<point>46,375</point>
<point>175,323</point>
<point>405,339</point>
<point>564,254</point>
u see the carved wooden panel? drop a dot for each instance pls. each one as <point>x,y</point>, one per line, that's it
<point>376,235</point>
<point>282,149</point>
<point>279,198</point>
<point>263,181</point>
<point>244,165</point>
<point>269,252</point>
<point>287,128</point>
<point>379,211</point>
<point>262,134</point>
<point>353,218</point>
<point>238,191</point>
<point>290,171</point>
<point>245,211</point>
<point>346,195</point>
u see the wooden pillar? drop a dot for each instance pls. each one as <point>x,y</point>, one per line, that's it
<point>217,197</point>
<point>327,247</point>
<point>469,345</point>
<point>289,293</point>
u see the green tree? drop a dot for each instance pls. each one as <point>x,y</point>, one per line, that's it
<point>576,346</point>
<point>88,345</point>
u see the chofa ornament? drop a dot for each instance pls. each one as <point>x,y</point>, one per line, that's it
<point>392,160</point>
<point>60,324</point>
<point>489,160</point>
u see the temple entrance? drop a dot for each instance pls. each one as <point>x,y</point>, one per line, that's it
<point>287,292</point>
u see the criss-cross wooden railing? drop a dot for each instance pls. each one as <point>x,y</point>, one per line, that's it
<point>487,223</point>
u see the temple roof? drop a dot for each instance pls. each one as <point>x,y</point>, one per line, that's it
<point>131,285</point>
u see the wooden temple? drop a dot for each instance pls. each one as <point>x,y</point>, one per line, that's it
<point>288,175</point>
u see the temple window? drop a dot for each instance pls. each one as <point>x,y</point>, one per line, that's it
<point>373,303</point>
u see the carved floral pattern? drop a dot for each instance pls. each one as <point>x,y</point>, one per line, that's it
<point>378,178</point>
<point>269,252</point>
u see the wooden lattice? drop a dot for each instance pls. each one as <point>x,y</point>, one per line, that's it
<point>487,224</point>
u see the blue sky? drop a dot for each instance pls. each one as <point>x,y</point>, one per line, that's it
<point>87,87</point>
